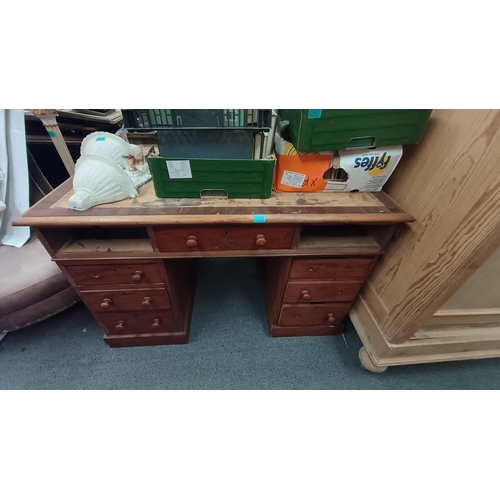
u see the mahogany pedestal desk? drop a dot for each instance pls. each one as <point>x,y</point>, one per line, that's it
<point>131,262</point>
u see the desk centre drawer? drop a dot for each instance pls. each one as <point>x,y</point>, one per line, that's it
<point>122,323</point>
<point>213,238</point>
<point>322,291</point>
<point>338,268</point>
<point>126,300</point>
<point>313,314</point>
<point>115,274</point>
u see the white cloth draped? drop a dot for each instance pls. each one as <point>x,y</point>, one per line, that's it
<point>14,176</point>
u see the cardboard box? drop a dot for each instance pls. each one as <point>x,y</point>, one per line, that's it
<point>364,170</point>
<point>302,172</point>
<point>361,170</point>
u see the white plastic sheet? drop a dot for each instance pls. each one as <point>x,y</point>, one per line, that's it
<point>14,189</point>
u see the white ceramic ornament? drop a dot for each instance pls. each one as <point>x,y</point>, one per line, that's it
<point>129,156</point>
<point>99,180</point>
<point>110,146</point>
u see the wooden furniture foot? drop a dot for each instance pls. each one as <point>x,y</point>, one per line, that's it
<point>368,364</point>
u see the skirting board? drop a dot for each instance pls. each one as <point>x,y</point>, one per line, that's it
<point>429,345</point>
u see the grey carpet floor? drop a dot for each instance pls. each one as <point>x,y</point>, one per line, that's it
<point>229,348</point>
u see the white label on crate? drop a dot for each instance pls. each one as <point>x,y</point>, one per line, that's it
<point>179,169</point>
<point>293,179</point>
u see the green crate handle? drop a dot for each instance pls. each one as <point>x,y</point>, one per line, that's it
<point>361,142</point>
<point>202,195</point>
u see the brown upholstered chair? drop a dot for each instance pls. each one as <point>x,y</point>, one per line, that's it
<point>32,287</point>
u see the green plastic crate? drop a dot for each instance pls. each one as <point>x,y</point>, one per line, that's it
<point>238,178</point>
<point>314,130</point>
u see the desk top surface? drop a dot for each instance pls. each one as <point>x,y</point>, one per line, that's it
<point>281,208</point>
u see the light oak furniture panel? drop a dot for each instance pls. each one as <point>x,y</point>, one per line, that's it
<point>477,300</point>
<point>450,182</point>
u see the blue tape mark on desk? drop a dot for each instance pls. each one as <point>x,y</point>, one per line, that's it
<point>259,219</point>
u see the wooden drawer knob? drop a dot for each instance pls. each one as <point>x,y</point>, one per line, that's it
<point>119,326</point>
<point>305,295</point>
<point>192,242</point>
<point>330,317</point>
<point>106,303</point>
<point>156,323</point>
<point>137,276</point>
<point>260,240</point>
<point>147,301</point>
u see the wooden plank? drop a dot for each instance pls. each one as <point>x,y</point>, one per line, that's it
<point>369,330</point>
<point>146,339</point>
<point>382,234</point>
<point>316,242</point>
<point>106,246</point>
<point>451,182</point>
<point>305,331</point>
<point>277,271</point>
<point>152,238</point>
<point>52,246</point>
<point>337,252</point>
<point>112,117</point>
<point>377,308</point>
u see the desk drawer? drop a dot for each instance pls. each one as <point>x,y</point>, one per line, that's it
<point>126,300</point>
<point>322,291</point>
<point>340,268</point>
<point>213,238</point>
<point>313,314</point>
<point>115,274</point>
<point>122,323</point>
